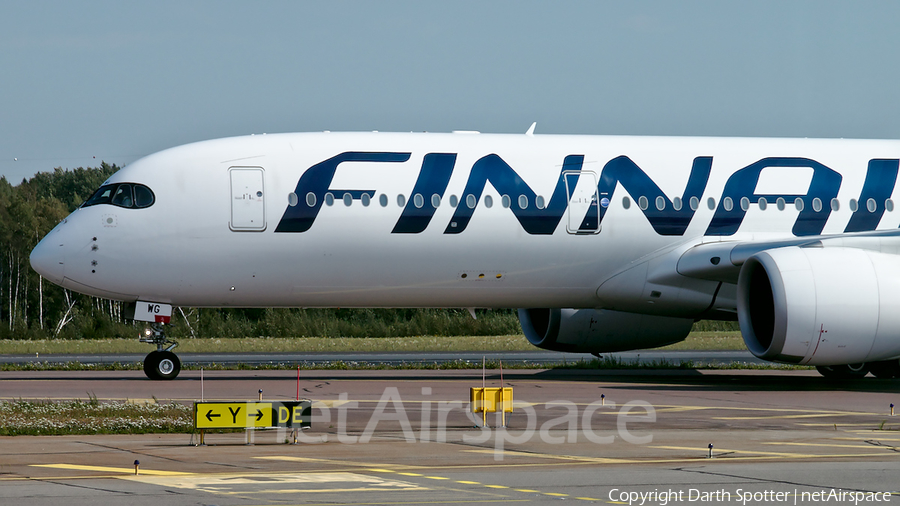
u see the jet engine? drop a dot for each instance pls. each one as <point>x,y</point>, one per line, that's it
<point>822,306</point>
<point>599,330</point>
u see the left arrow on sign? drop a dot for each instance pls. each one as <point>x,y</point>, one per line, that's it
<point>210,415</point>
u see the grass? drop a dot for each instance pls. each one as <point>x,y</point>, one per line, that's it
<point>725,340</point>
<point>46,418</point>
<point>709,341</point>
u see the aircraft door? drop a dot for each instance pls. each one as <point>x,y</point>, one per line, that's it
<point>248,208</point>
<point>583,213</point>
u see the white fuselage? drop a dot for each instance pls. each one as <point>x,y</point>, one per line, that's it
<point>212,239</point>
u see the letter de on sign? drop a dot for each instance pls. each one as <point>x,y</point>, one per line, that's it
<point>284,415</point>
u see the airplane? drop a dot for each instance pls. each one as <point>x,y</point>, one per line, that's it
<point>604,243</point>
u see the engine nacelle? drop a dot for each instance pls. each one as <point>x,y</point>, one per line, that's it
<point>820,306</point>
<point>598,330</point>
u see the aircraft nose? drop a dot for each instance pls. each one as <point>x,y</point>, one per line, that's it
<point>48,260</point>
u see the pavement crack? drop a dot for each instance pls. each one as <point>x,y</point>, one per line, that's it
<point>134,452</point>
<point>766,480</point>
<point>84,487</point>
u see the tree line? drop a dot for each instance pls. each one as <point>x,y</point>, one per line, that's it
<point>32,308</point>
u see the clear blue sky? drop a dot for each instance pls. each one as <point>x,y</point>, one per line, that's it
<point>89,81</point>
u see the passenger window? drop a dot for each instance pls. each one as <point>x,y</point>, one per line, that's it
<point>383,200</point>
<point>763,203</point>
<point>695,203</point>
<point>471,201</point>
<point>642,203</point>
<point>418,200</point>
<point>871,205</point>
<point>329,199</point>
<point>711,203</point>
<point>348,199</point>
<point>854,206</point>
<point>676,203</point>
<point>889,205</point>
<point>779,203</point>
<point>817,204</point>
<point>539,202</point>
<point>401,200</point>
<point>454,201</point>
<point>435,201</point>
<point>626,202</point>
<point>727,203</point>
<point>365,199</point>
<point>523,202</point>
<point>488,201</point>
<point>798,204</point>
<point>504,200</point>
<point>745,204</point>
<point>835,205</point>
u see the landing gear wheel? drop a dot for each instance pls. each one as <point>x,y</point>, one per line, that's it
<point>162,365</point>
<point>848,371</point>
<point>886,369</point>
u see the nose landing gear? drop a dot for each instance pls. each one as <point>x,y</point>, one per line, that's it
<point>161,364</point>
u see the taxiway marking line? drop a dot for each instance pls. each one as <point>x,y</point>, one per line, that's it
<point>373,466</point>
<point>865,439</point>
<point>829,445</point>
<point>449,501</point>
<point>774,410</point>
<point>772,417</point>
<point>488,485</point>
<point>123,470</point>
<point>772,454</point>
<point>552,456</point>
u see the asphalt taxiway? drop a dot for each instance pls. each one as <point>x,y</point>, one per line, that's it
<point>536,356</point>
<point>405,437</point>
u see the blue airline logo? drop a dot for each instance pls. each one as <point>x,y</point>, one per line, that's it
<point>667,217</point>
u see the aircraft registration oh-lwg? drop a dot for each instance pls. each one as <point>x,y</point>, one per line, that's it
<point>608,243</point>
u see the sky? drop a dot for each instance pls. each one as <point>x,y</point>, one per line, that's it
<point>85,82</point>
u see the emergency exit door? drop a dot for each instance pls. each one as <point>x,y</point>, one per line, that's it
<point>248,206</point>
<point>584,204</point>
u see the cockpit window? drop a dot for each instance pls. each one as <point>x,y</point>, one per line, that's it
<point>123,196</point>
<point>127,195</point>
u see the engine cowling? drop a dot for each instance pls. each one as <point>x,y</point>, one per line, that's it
<point>598,330</point>
<point>820,306</point>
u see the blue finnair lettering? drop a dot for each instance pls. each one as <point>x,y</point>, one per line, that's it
<point>742,184</point>
<point>666,216</point>
<point>672,218</point>
<point>503,178</point>
<point>880,180</point>
<point>433,179</point>
<point>317,181</point>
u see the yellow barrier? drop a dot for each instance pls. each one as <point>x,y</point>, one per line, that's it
<point>491,400</point>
